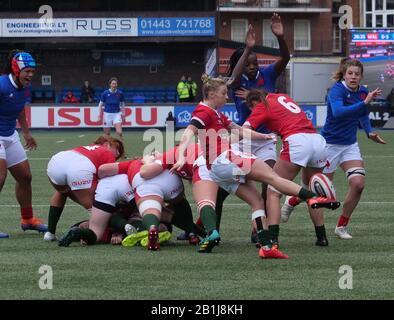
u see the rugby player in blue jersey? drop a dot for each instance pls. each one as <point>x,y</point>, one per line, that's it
<point>346,110</point>
<point>14,95</point>
<point>112,107</point>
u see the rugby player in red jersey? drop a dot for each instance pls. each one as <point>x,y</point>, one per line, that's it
<point>233,170</point>
<point>73,174</point>
<point>303,148</point>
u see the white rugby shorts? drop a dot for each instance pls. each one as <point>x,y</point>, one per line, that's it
<point>338,154</point>
<point>71,168</point>
<point>11,150</point>
<point>111,190</point>
<point>110,119</point>
<point>166,185</point>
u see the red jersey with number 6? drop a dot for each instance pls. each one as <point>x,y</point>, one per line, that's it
<point>280,114</point>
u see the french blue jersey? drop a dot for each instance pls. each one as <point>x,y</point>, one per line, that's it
<point>345,111</point>
<point>12,102</point>
<point>112,100</point>
<point>265,78</point>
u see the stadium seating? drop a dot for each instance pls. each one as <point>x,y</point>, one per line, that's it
<point>140,94</point>
<point>43,94</point>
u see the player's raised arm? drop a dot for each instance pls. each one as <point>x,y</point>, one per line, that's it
<point>277,30</point>
<point>249,44</point>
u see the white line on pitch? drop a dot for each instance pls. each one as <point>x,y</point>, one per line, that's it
<point>193,204</point>
<point>60,141</point>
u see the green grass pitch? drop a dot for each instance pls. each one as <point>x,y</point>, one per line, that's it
<point>232,271</point>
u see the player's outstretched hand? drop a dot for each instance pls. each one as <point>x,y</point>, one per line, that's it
<point>376,138</point>
<point>372,95</point>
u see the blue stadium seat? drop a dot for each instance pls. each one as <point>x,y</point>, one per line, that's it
<point>49,95</point>
<point>172,97</point>
<point>59,98</point>
<point>161,97</point>
<point>138,99</point>
<point>149,97</point>
<point>37,94</point>
<point>129,97</point>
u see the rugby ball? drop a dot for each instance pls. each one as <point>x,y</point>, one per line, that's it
<point>322,186</point>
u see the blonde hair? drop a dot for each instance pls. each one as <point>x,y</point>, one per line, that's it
<point>344,64</point>
<point>210,84</point>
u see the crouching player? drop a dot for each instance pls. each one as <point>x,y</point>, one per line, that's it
<point>110,191</point>
<point>115,218</point>
<point>204,189</point>
<point>149,197</point>
<point>73,174</point>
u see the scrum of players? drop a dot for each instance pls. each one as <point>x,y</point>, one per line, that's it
<point>137,202</point>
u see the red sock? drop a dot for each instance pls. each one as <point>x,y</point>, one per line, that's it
<point>199,222</point>
<point>293,201</point>
<point>343,221</point>
<point>27,213</point>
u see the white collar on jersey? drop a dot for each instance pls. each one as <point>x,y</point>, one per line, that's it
<point>246,77</point>
<point>350,89</point>
<point>12,81</point>
<point>204,104</point>
<point>112,91</point>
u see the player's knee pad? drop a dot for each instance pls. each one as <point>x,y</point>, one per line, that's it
<point>149,204</point>
<point>355,172</point>
<point>201,204</point>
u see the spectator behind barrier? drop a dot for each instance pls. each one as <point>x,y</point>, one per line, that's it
<point>87,93</point>
<point>70,98</point>
<point>183,90</point>
<point>192,85</point>
<point>170,121</point>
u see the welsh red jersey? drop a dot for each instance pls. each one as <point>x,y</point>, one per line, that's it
<point>169,158</point>
<point>97,154</point>
<point>131,168</point>
<point>212,138</point>
<point>282,115</point>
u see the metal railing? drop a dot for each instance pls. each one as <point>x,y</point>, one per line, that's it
<point>274,3</point>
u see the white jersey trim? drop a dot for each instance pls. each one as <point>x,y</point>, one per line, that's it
<point>12,81</point>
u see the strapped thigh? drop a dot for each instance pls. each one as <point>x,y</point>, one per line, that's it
<point>354,172</point>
